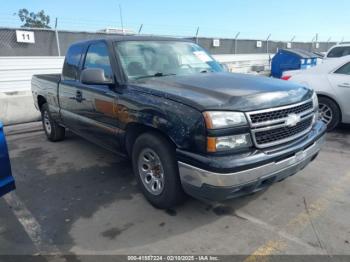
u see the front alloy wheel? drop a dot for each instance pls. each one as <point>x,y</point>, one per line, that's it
<point>156,170</point>
<point>151,171</point>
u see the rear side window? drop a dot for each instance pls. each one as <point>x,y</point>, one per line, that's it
<point>339,51</point>
<point>344,70</point>
<point>97,57</point>
<point>71,63</point>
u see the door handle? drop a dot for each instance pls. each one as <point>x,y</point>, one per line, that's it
<point>346,85</point>
<point>79,96</point>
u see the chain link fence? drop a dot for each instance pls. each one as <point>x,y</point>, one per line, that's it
<point>54,43</point>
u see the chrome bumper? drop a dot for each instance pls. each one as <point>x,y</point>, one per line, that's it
<point>197,177</point>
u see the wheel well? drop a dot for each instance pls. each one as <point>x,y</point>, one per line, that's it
<point>335,102</point>
<point>41,101</point>
<point>133,131</point>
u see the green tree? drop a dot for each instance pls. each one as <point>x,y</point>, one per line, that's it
<point>35,20</point>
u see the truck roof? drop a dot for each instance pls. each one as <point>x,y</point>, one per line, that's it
<point>132,38</point>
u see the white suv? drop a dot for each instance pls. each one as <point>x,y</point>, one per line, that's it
<point>338,51</point>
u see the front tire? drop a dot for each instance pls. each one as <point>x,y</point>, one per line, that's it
<point>54,132</point>
<point>156,170</point>
<point>329,112</point>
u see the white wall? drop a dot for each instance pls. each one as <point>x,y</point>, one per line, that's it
<point>16,72</point>
<point>16,102</point>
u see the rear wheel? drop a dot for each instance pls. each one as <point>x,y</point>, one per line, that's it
<point>156,170</point>
<point>329,112</point>
<point>53,131</point>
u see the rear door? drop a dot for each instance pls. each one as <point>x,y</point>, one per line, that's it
<point>67,90</point>
<point>340,81</point>
<point>7,182</point>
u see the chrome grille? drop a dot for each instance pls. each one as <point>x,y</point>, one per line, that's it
<point>280,133</point>
<point>272,126</point>
<point>278,114</point>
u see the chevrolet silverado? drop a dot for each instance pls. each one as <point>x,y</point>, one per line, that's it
<point>186,124</point>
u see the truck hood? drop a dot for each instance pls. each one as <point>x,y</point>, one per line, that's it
<point>225,91</point>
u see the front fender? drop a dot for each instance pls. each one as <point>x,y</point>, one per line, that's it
<point>182,124</point>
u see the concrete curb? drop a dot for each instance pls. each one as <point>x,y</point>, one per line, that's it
<point>23,128</point>
<point>17,108</point>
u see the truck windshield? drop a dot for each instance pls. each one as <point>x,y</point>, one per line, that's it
<point>142,59</point>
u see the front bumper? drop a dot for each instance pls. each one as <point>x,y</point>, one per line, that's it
<point>270,167</point>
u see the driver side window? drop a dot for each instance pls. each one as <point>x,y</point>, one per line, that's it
<point>97,57</point>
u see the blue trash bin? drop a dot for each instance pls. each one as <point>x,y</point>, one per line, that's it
<point>291,59</point>
<point>7,182</point>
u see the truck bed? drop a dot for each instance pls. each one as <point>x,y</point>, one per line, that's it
<point>45,86</point>
<point>49,77</point>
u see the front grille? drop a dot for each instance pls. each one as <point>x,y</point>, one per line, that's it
<point>274,115</point>
<point>264,137</point>
<point>275,126</point>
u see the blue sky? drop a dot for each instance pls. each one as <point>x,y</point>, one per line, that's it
<point>221,18</point>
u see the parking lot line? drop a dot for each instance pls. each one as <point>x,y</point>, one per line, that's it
<point>33,228</point>
<point>274,229</point>
<point>301,221</point>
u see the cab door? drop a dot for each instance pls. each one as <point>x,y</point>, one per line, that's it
<point>95,105</point>
<point>7,182</point>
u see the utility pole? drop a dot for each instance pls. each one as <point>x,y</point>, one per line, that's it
<point>329,39</point>
<point>57,40</point>
<point>236,37</point>
<point>121,18</point>
<point>291,42</point>
<point>312,43</point>
<point>140,28</point>
<point>267,43</point>
<point>197,32</point>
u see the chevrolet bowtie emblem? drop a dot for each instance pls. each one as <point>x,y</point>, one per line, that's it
<point>292,120</point>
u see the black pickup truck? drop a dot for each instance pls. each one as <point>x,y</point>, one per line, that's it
<point>187,125</point>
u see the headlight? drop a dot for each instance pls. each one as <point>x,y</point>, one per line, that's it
<point>217,119</point>
<point>224,143</point>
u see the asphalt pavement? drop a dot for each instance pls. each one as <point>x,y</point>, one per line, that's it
<point>75,198</point>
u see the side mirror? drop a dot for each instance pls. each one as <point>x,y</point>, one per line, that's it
<point>94,76</point>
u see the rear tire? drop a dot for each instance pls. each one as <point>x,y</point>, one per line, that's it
<point>156,170</point>
<point>54,132</point>
<point>329,112</point>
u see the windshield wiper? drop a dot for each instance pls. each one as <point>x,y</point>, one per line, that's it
<point>158,74</point>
